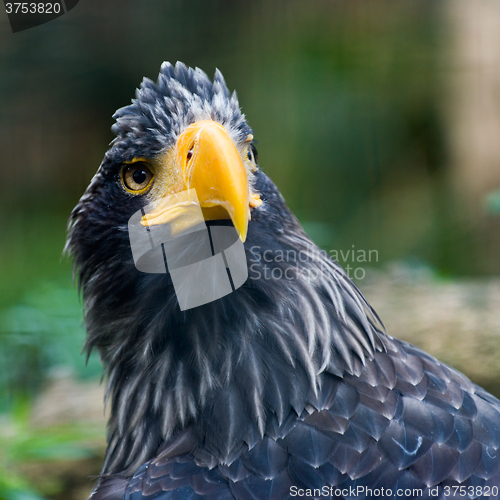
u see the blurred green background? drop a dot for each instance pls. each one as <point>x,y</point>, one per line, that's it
<point>378,121</point>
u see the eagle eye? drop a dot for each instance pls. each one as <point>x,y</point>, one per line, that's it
<point>137,177</point>
<point>252,154</point>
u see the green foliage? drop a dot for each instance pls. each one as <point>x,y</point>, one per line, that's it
<point>41,334</point>
<point>21,443</point>
<point>493,203</point>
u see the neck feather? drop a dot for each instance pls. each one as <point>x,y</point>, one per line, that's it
<point>237,366</point>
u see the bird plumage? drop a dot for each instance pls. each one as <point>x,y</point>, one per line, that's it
<point>288,382</point>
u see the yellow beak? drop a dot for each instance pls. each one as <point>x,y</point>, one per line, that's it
<point>208,161</point>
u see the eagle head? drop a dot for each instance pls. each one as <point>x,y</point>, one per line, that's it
<point>233,368</point>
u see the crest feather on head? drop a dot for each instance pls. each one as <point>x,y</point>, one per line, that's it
<point>181,96</point>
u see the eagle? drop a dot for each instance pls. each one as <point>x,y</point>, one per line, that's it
<point>284,384</point>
